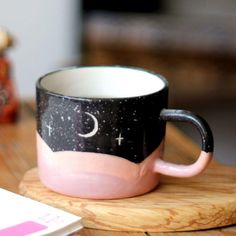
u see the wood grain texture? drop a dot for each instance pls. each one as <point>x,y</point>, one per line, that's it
<point>207,201</point>
<point>17,149</point>
<point>17,156</point>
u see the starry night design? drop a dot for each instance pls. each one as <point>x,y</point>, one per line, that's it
<point>129,128</point>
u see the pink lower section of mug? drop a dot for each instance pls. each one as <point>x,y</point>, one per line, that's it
<point>95,175</point>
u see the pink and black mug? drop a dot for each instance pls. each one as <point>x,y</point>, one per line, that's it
<point>101,130</point>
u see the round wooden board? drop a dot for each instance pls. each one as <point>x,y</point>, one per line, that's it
<point>202,202</point>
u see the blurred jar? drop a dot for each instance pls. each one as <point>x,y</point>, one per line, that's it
<point>8,100</point>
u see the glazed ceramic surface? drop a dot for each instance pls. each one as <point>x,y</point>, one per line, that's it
<point>100,132</point>
<point>126,127</point>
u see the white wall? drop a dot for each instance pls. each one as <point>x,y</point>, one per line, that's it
<point>47,38</point>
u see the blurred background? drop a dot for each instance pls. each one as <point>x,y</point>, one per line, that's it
<point>191,43</point>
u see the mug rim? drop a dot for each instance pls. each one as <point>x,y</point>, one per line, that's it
<point>40,87</point>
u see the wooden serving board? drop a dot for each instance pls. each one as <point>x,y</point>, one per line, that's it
<point>202,202</point>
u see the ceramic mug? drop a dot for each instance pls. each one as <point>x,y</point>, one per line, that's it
<point>101,130</point>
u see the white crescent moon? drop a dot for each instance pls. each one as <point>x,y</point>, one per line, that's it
<point>95,129</point>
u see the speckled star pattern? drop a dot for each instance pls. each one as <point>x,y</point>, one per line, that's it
<point>129,128</point>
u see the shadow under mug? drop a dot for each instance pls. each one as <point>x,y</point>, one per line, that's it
<point>101,129</point>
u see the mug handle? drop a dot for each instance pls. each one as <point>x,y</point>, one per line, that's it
<point>177,170</point>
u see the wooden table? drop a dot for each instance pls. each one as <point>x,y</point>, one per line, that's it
<point>18,155</point>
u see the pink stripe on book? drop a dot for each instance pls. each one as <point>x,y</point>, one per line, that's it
<point>22,229</point>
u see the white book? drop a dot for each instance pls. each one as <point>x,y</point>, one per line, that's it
<point>21,216</point>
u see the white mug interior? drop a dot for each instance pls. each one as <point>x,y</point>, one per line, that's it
<point>103,82</point>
